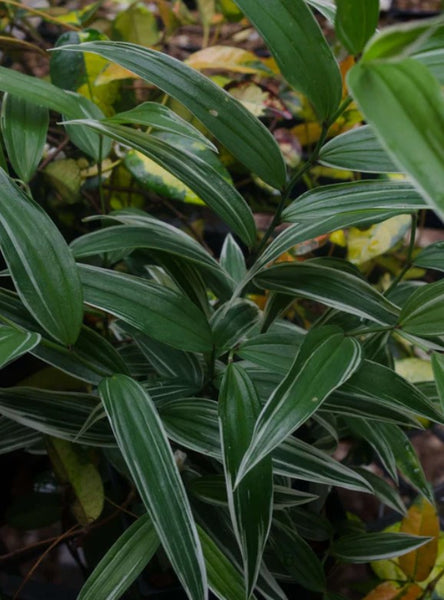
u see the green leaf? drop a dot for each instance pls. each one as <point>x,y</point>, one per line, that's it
<point>136,24</point>
<point>74,467</point>
<point>41,266</point>
<point>47,412</point>
<point>357,150</point>
<point>15,343</point>
<point>300,49</point>
<point>232,259</point>
<point>408,118</point>
<point>431,257</point>
<point>232,321</point>
<point>122,563</point>
<point>325,361</point>
<point>356,22</point>
<point>156,310</point>
<point>339,289</point>
<point>196,173</point>
<point>363,548</point>
<point>327,8</point>
<point>383,490</point>
<point>438,373</point>
<point>14,436</point>
<point>144,445</point>
<point>232,124</point>
<point>160,118</point>
<point>298,558</point>
<point>423,312</point>
<point>251,502</point>
<point>24,127</point>
<point>274,351</point>
<point>371,197</point>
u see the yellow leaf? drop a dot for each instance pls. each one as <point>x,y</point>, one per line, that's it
<point>414,369</point>
<point>363,245</point>
<point>338,238</point>
<point>226,58</point>
<point>390,590</point>
<point>421,519</point>
<point>114,72</point>
<point>253,98</point>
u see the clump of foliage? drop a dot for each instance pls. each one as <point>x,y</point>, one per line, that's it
<point>220,388</point>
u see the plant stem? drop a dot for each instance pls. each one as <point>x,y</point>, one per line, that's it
<point>376,329</point>
<point>409,261</point>
<point>99,175</point>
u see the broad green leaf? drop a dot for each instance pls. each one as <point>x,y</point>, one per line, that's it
<point>298,558</point>
<point>407,460</point>
<point>357,150</point>
<point>363,548</point>
<point>438,372</point>
<point>361,428</point>
<point>148,455</point>
<point>327,8</point>
<point>14,436</point>
<point>356,22</point>
<point>41,266</point>
<point>231,123</point>
<point>383,490</point>
<point>197,174</point>
<point>421,519</point>
<point>275,351</point>
<point>24,127</point>
<point>431,257</point>
<point>122,563</point>
<point>14,343</point>
<point>73,466</point>
<point>232,321</point>
<point>232,259</point>
<point>434,61</point>
<point>371,408</point>
<point>376,381</point>
<point>251,502</point>
<point>160,118</point>
<point>403,102</point>
<point>300,49</point>
<point>161,313</point>
<point>325,361</point>
<point>46,412</point>
<point>339,289</point>
<point>360,197</point>
<point>423,313</point>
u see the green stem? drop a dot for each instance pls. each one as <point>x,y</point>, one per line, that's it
<point>99,175</point>
<point>409,260</point>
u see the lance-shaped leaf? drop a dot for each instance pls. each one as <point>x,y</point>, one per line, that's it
<point>232,321</point>
<point>24,127</point>
<point>14,343</point>
<point>325,361</point>
<point>123,562</point>
<point>300,49</point>
<point>431,257</point>
<point>232,124</point>
<point>192,170</point>
<point>360,197</point>
<point>403,102</point>
<point>327,8</point>
<point>365,547</point>
<point>357,150</point>
<point>327,285</point>
<point>156,310</point>
<point>383,490</point>
<point>421,519</point>
<point>356,22</point>
<point>438,373</point>
<point>232,259</point>
<point>251,503</point>
<point>423,313</point>
<point>148,455</point>
<point>14,436</point>
<point>274,351</point>
<point>41,266</point>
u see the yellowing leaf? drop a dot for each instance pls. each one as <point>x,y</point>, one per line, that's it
<point>73,466</point>
<point>378,239</point>
<point>137,24</point>
<point>114,72</point>
<point>253,98</point>
<point>390,590</point>
<point>414,369</point>
<point>338,238</point>
<point>226,58</point>
<point>421,519</point>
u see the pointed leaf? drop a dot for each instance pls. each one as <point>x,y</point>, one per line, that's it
<point>41,266</point>
<point>159,312</point>
<point>24,127</point>
<point>301,51</point>
<point>231,123</point>
<point>144,445</point>
<point>383,490</point>
<point>423,313</point>
<point>365,547</point>
<point>232,259</point>
<point>357,150</point>
<point>123,562</point>
<point>356,22</point>
<point>251,503</point>
<point>431,257</point>
<point>232,321</point>
<point>438,373</point>
<point>14,436</point>
<point>421,519</point>
<point>15,343</point>
<point>325,361</point>
<point>403,102</point>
